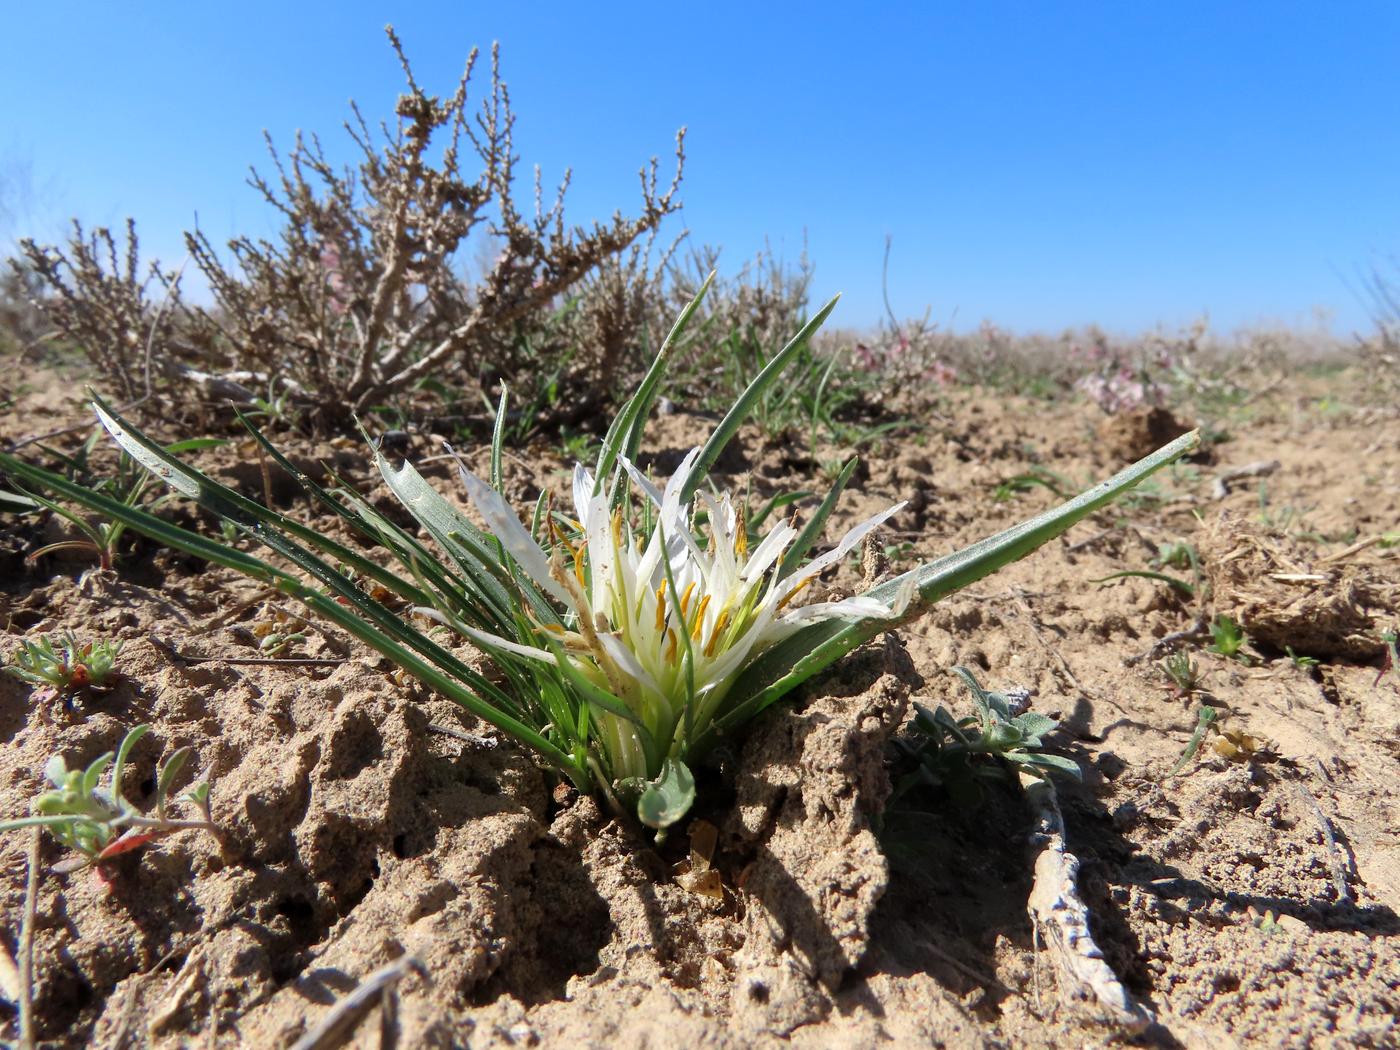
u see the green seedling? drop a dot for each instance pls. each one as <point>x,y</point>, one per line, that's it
<point>1181,671</point>
<point>1037,477</point>
<point>278,642</point>
<point>623,641</point>
<point>957,753</point>
<point>1205,717</point>
<point>1302,663</point>
<point>128,487</point>
<point>99,823</point>
<point>1391,660</point>
<point>1227,639</point>
<point>67,666</point>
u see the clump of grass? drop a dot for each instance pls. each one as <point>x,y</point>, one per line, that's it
<point>627,635</point>
<point>98,823</point>
<point>66,666</point>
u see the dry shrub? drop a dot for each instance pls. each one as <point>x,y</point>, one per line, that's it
<point>360,297</point>
<point>1285,599</point>
<point>101,299</point>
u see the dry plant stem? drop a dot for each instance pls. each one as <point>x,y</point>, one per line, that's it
<point>26,947</point>
<point>341,1020</point>
<point>1329,839</point>
<point>1061,917</point>
<point>1197,631</point>
<point>1221,488</point>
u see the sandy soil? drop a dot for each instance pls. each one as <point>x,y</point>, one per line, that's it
<point>1249,901</point>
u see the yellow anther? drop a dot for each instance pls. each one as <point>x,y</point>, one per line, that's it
<point>578,563</point>
<point>685,600</point>
<point>661,606</point>
<point>671,647</point>
<point>794,592</point>
<point>720,625</point>
<point>700,618</point>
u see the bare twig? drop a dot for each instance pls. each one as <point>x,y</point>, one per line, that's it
<point>250,661</point>
<point>26,946</point>
<point>1221,488</point>
<point>1196,632</point>
<point>1329,839</point>
<point>340,1021</point>
<point>1060,915</point>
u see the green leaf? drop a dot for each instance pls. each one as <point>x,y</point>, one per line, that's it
<point>812,531</point>
<point>1185,589</point>
<point>814,648</point>
<point>624,436</point>
<point>168,772</point>
<point>771,373</point>
<point>123,750</point>
<point>669,797</point>
<point>1055,763</point>
<point>1033,725</point>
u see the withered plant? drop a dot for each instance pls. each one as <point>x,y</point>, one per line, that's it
<point>101,298</point>
<point>360,296</point>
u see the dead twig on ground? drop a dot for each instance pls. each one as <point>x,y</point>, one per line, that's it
<point>1221,488</point>
<point>1059,915</point>
<point>248,661</point>
<point>1329,840</point>
<point>1198,631</point>
<point>26,946</point>
<point>342,1018</point>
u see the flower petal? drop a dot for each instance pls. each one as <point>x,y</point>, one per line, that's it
<point>627,661</point>
<point>641,481</point>
<point>841,549</point>
<point>767,552</point>
<point>583,493</point>
<point>516,539</point>
<point>859,607</point>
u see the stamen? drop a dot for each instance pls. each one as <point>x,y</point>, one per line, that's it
<point>671,648</point>
<point>661,606</point>
<point>793,593</point>
<point>720,625</point>
<point>699,618</point>
<point>578,563</point>
<point>685,601</point>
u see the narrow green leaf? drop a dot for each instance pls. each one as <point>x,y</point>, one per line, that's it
<point>728,426</point>
<point>794,660</point>
<point>1184,588</point>
<point>123,750</point>
<point>812,531</point>
<point>625,434</point>
<point>168,772</point>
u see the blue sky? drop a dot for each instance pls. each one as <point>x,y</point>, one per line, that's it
<point>1040,165</point>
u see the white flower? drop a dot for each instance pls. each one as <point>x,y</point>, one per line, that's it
<point>660,623</point>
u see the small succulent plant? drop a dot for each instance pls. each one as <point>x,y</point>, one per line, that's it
<point>66,666</point>
<point>99,823</point>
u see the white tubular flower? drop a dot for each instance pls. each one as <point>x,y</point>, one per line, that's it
<point>660,623</point>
